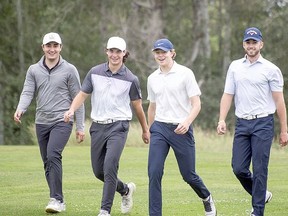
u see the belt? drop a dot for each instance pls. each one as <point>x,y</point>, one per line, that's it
<point>250,117</point>
<point>171,123</point>
<point>108,121</point>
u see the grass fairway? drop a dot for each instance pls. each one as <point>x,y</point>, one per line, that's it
<point>23,188</point>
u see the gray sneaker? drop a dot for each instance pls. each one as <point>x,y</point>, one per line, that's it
<point>55,206</point>
<point>103,213</point>
<point>127,200</point>
<point>209,206</point>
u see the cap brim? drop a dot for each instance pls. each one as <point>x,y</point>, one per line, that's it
<point>251,38</point>
<point>115,48</point>
<point>161,48</point>
<point>51,42</point>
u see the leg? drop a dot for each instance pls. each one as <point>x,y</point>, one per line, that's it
<point>107,145</point>
<point>184,150</point>
<point>158,151</point>
<point>59,136</point>
<point>261,144</point>
<point>241,155</point>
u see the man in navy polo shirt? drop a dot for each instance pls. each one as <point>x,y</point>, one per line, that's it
<point>257,87</point>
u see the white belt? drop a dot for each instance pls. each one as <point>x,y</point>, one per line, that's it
<point>250,117</point>
<point>108,121</point>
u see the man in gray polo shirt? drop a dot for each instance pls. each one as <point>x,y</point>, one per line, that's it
<point>113,88</point>
<point>257,87</point>
<point>55,83</point>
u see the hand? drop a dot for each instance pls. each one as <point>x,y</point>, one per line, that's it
<point>80,136</point>
<point>17,116</point>
<point>221,128</point>
<point>283,139</point>
<point>182,128</point>
<point>67,115</point>
<point>146,137</point>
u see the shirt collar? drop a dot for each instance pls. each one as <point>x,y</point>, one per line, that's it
<point>121,70</point>
<point>260,59</point>
<point>172,70</point>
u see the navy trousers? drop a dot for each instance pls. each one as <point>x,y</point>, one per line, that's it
<point>162,138</point>
<point>252,142</point>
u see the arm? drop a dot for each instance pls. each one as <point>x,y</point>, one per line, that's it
<point>76,103</point>
<point>26,97</point>
<point>183,127</point>
<point>74,86</point>
<point>225,105</point>
<point>151,113</point>
<point>137,105</point>
<point>281,112</point>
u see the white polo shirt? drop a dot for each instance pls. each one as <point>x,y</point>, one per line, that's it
<point>252,85</point>
<point>172,92</point>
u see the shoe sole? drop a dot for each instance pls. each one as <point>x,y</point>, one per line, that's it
<point>50,210</point>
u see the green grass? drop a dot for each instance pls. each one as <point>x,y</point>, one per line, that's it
<point>23,188</point>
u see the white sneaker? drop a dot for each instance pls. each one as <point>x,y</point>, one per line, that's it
<point>55,206</point>
<point>268,196</point>
<point>209,206</point>
<point>127,200</point>
<point>103,213</point>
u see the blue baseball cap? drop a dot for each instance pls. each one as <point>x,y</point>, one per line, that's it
<point>252,33</point>
<point>163,44</point>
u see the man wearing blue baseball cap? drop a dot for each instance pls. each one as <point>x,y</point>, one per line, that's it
<point>174,103</point>
<point>257,87</point>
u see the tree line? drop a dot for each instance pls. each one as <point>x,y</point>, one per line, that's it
<point>207,35</point>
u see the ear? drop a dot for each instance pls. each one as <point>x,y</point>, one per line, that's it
<point>261,44</point>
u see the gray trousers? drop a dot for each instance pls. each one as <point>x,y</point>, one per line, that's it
<point>52,140</point>
<point>107,144</point>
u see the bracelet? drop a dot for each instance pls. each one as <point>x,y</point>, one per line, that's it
<point>221,121</point>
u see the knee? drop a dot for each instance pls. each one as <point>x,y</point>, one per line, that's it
<point>239,171</point>
<point>53,158</point>
<point>191,179</point>
<point>98,174</point>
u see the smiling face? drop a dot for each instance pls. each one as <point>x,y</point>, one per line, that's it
<point>252,48</point>
<point>115,57</point>
<point>52,51</point>
<point>163,58</point>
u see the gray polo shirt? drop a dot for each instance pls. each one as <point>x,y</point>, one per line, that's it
<point>54,91</point>
<point>111,93</point>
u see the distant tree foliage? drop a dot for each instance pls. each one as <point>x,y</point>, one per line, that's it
<point>207,35</point>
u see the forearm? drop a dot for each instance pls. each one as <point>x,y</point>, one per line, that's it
<point>282,115</point>
<point>80,118</point>
<point>137,105</point>
<point>151,113</point>
<point>78,101</point>
<point>225,105</point>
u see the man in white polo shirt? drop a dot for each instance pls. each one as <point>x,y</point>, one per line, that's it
<point>174,103</point>
<point>257,87</point>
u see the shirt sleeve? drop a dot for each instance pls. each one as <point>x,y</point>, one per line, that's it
<point>74,88</point>
<point>28,91</point>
